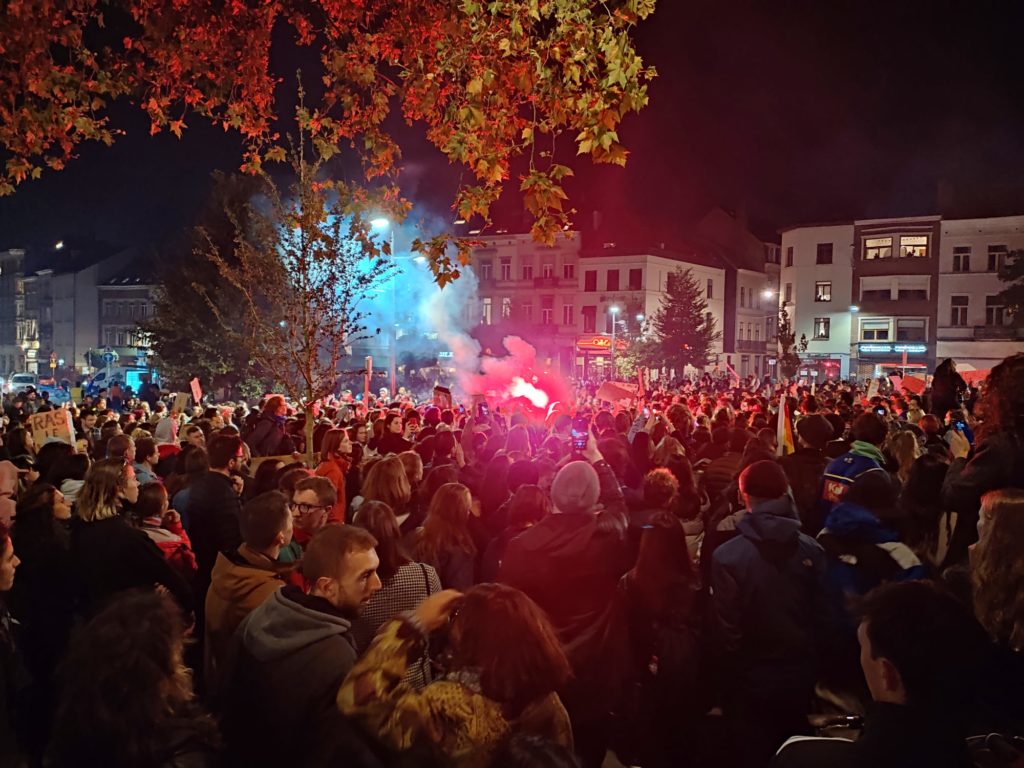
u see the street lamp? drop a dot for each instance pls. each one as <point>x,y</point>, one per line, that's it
<point>381,223</point>
<point>767,293</point>
<point>854,309</point>
<point>615,321</point>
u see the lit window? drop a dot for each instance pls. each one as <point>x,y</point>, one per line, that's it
<point>878,248</point>
<point>485,312</point>
<point>821,328</point>
<point>823,291</point>
<point>914,246</point>
<point>506,307</point>
<point>874,330</point>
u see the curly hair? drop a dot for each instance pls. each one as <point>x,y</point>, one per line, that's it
<point>125,689</point>
<point>997,568</point>
<point>1002,399</point>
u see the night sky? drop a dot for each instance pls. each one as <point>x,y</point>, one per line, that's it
<point>795,111</point>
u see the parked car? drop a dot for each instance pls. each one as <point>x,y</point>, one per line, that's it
<point>20,382</point>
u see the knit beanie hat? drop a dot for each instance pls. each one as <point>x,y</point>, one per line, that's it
<point>764,480</point>
<point>815,430</point>
<point>575,488</point>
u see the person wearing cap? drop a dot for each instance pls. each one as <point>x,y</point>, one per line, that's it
<point>805,467</point>
<point>869,433</point>
<point>768,608</point>
<point>862,546</point>
<point>570,564</point>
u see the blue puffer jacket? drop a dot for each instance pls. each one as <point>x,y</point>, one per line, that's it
<point>862,553</point>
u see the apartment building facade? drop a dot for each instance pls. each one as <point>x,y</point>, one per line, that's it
<point>816,292</point>
<point>897,292</point>
<point>974,325</point>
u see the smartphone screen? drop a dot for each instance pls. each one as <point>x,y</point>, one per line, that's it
<point>580,425</point>
<point>481,409</point>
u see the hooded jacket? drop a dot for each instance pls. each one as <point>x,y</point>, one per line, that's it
<point>768,598</point>
<point>8,489</point>
<point>240,582</point>
<point>291,655</point>
<point>570,564</point>
<point>862,554</point>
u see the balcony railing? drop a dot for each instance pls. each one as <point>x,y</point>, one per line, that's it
<point>746,345</point>
<point>998,332</point>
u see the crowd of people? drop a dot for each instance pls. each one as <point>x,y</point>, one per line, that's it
<point>661,582</point>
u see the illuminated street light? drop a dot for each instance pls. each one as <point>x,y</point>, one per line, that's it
<point>639,318</point>
<point>615,321</point>
<point>854,308</point>
<point>59,245</point>
<point>767,293</point>
<point>380,223</point>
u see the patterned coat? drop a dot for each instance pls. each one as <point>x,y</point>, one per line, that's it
<point>451,716</point>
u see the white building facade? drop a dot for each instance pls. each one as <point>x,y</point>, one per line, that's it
<point>974,326</point>
<point>815,287</point>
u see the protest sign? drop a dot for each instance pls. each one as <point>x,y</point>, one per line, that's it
<point>52,426</point>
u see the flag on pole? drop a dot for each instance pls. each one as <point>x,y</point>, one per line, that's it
<point>732,371</point>
<point>784,430</point>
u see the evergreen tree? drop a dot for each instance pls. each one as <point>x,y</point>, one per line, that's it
<point>683,332</point>
<point>789,348</point>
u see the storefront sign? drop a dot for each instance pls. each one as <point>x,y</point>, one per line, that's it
<point>599,344</point>
<point>893,349</point>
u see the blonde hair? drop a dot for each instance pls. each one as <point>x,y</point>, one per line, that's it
<point>387,481</point>
<point>100,497</point>
<point>997,568</point>
<point>903,447</point>
<point>667,448</point>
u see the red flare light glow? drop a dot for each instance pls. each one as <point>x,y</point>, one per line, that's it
<point>514,380</point>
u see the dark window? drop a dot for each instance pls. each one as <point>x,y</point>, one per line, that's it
<point>824,253</point>
<point>569,271</point>
<point>962,258</point>
<point>789,256</point>
<point>711,288</point>
<point>911,329</point>
<point>995,311</point>
<point>613,280</point>
<point>590,280</point>
<point>636,279</point>
<point>589,319</point>
<point>909,294</point>
<point>958,310</point>
<point>996,257</point>
<point>883,294</point>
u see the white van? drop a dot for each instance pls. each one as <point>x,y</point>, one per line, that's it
<point>19,382</point>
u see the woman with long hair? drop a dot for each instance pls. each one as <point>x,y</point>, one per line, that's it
<point>269,436</point>
<point>112,556</point>
<point>335,455</point>
<point>998,458</point>
<point>444,540</point>
<point>517,443</point>
<point>902,447</point>
<point>387,481</point>
<point>404,584</point>
<point>493,492</point>
<point>997,568</point>
<point>126,698</point>
<point>19,442</point>
<point>502,666</point>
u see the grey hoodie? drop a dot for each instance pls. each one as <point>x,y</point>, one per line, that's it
<point>290,656</point>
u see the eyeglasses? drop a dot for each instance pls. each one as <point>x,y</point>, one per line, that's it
<point>306,509</point>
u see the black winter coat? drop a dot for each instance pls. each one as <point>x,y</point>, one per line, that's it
<point>997,463</point>
<point>805,468</point>
<point>213,513</point>
<point>111,556</point>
